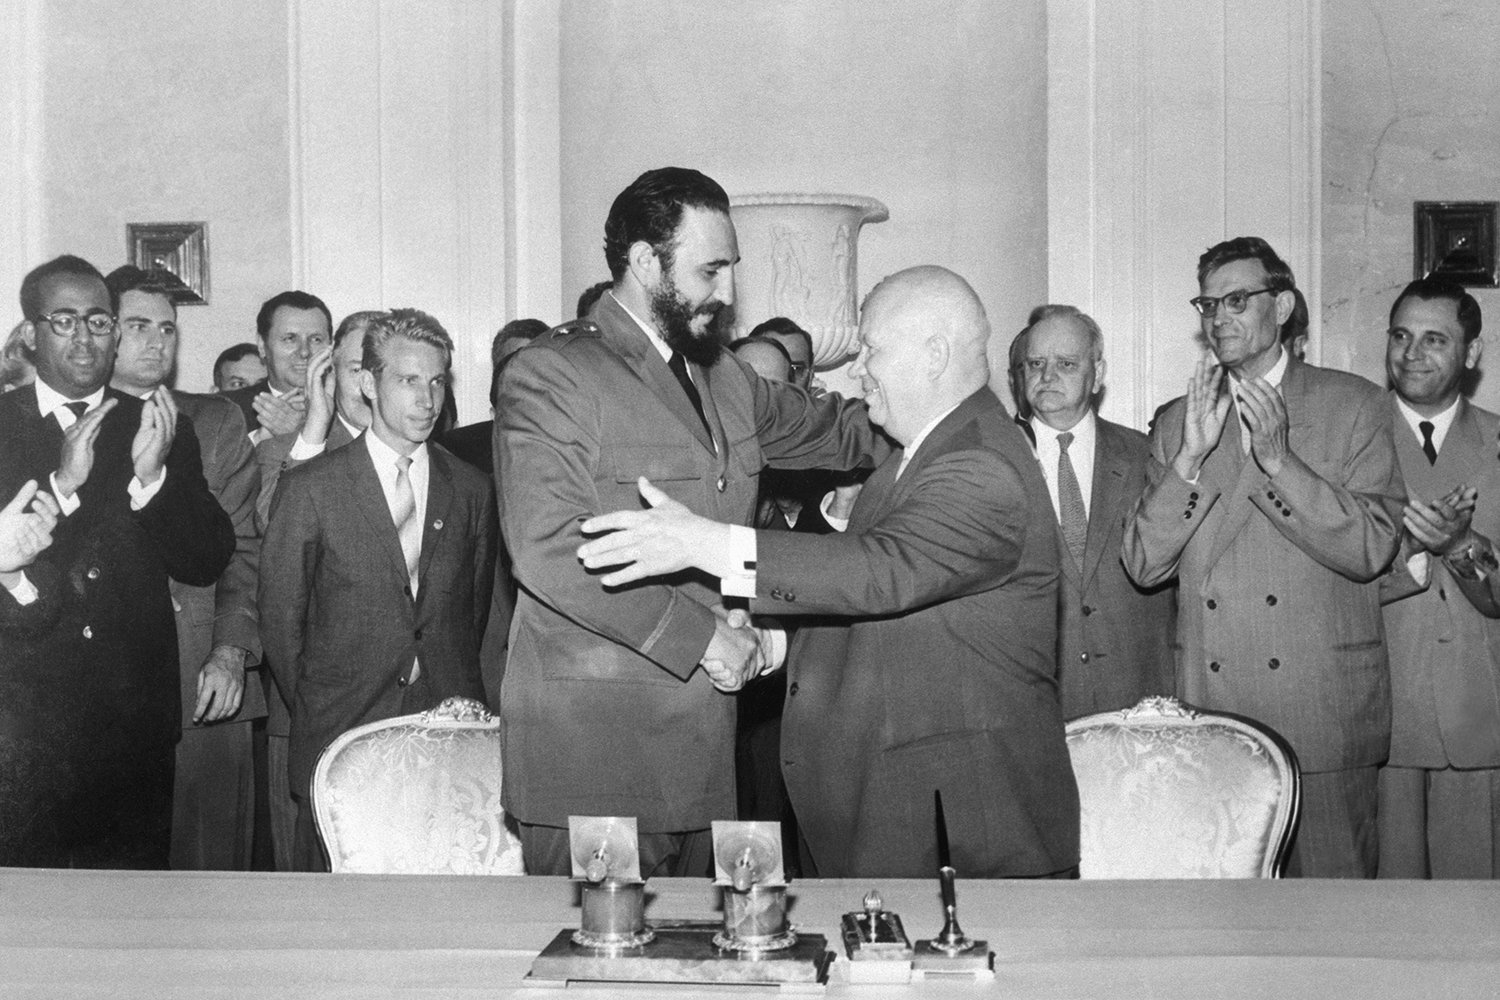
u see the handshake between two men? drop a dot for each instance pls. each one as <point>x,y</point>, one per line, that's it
<point>667,538</point>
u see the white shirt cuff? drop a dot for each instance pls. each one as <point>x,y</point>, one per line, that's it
<point>24,591</point>
<point>836,523</point>
<point>258,435</point>
<point>140,494</point>
<point>740,581</point>
<point>1420,568</point>
<point>777,640</point>
<point>67,504</point>
<point>302,451</point>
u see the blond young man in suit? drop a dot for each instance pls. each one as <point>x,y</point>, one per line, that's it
<point>375,583</point>
<point>609,700</point>
<point>1440,790</point>
<point>1274,497</point>
<point>1114,638</point>
<point>930,665</point>
<point>218,641</point>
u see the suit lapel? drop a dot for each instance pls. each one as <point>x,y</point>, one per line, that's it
<point>1109,479</point>
<point>369,499</point>
<point>631,343</point>
<point>1250,478</point>
<point>439,503</point>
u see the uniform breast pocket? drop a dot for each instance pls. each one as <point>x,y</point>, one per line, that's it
<point>658,463</point>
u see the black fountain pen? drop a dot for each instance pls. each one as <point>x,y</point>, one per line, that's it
<point>952,951</point>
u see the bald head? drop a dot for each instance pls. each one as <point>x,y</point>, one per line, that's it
<point>768,358</point>
<point>923,337</point>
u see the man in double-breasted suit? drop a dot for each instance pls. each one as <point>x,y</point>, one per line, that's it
<point>1113,636</point>
<point>374,584</point>
<point>89,708</point>
<point>1440,790</point>
<point>1274,497</point>
<point>928,664</point>
<point>605,708</point>
<point>218,640</point>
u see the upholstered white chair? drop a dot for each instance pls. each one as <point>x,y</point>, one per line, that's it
<point>1169,791</point>
<point>417,794</point>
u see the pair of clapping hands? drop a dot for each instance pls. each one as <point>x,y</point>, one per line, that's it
<point>1442,526</point>
<point>26,525</point>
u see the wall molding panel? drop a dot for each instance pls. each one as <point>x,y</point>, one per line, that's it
<point>1171,127</point>
<point>22,240</point>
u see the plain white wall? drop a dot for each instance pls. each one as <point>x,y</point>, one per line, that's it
<point>161,112</point>
<point>1411,112</point>
<point>937,109</point>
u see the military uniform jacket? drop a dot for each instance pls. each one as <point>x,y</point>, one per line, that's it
<point>1276,615</point>
<point>605,710</point>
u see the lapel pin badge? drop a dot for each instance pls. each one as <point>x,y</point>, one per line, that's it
<point>437,525</point>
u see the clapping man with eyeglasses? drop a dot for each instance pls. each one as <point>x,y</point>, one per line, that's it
<point>89,691</point>
<point>1274,497</point>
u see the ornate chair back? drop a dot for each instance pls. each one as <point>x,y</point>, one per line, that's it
<point>417,794</point>
<point>1169,791</point>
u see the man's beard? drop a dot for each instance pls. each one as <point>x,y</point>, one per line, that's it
<point>674,318</point>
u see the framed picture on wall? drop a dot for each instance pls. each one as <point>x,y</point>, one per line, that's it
<point>1456,240</point>
<point>176,250</point>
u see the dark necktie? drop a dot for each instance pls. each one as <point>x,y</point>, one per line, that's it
<point>78,408</point>
<point>1427,448</point>
<point>678,364</point>
<point>1071,514</point>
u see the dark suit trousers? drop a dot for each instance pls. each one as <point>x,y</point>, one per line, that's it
<point>1337,833</point>
<point>213,801</point>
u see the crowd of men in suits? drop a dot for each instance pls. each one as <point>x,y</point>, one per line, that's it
<point>913,589</point>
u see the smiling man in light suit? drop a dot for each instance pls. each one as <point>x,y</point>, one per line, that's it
<point>1274,497</point>
<point>375,573</point>
<point>1440,790</point>
<point>1114,638</point>
<point>929,664</point>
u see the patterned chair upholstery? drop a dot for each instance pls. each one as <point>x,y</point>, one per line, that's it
<point>1169,791</point>
<point>417,794</point>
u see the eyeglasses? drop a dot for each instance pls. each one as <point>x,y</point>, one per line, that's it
<point>99,324</point>
<point>1234,302</point>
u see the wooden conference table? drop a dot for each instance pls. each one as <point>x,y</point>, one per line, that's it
<point>136,934</point>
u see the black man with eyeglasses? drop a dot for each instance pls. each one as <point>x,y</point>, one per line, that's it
<point>1274,497</point>
<point>89,697</point>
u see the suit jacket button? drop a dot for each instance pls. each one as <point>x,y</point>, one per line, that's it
<point>93,573</point>
<point>401,682</point>
<point>406,590</point>
<point>1442,594</point>
<point>1286,512</point>
<point>417,635</point>
<point>775,593</point>
<point>1087,611</point>
<point>1193,496</point>
<point>1212,604</point>
<point>1271,600</point>
<point>1214,666</point>
<point>1270,494</point>
<point>721,484</point>
<point>88,631</point>
<point>1187,515</point>
<point>790,596</point>
<point>1274,663</point>
<point>792,689</point>
<point>1083,657</point>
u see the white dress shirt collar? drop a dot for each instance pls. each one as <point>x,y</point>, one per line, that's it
<point>49,399</point>
<point>1440,422</point>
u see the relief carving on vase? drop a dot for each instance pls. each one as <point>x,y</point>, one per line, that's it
<point>798,258</point>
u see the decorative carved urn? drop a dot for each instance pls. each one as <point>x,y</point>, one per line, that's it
<point>797,259</point>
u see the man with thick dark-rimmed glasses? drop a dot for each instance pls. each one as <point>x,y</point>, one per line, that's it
<point>1274,497</point>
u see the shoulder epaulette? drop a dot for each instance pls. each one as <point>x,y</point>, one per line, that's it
<point>576,328</point>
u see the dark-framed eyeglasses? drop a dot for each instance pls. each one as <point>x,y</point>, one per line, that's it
<point>64,322</point>
<point>1234,302</point>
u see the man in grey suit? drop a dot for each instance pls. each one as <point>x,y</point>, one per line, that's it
<point>1440,790</point>
<point>218,643</point>
<point>1274,497</point>
<point>930,663</point>
<point>375,582</point>
<point>643,387</point>
<point>1114,637</point>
